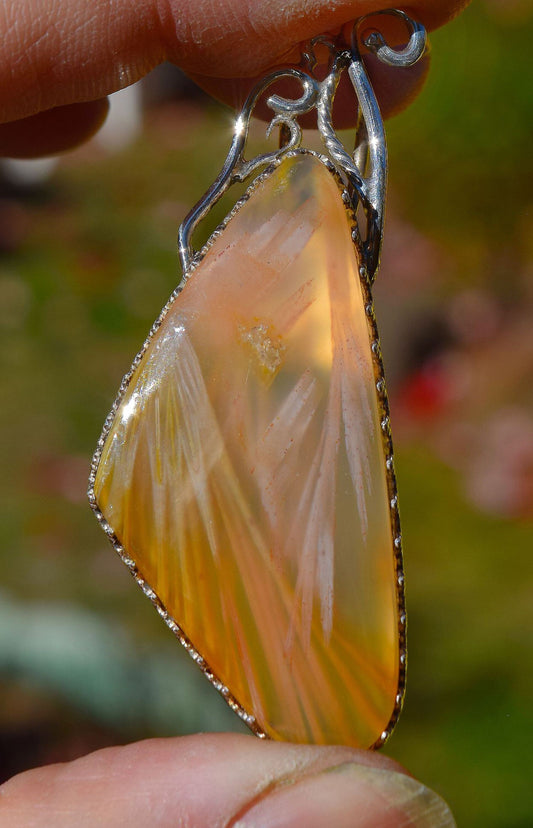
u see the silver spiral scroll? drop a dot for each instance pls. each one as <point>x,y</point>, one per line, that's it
<point>364,170</point>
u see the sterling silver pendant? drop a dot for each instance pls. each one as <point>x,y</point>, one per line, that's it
<point>245,473</point>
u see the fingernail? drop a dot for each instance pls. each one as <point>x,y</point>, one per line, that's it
<point>348,796</point>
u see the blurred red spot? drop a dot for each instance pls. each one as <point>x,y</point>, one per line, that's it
<point>425,394</point>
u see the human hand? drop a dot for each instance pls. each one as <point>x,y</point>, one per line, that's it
<point>60,60</point>
<point>210,781</point>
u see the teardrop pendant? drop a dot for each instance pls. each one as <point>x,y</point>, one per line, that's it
<point>245,473</point>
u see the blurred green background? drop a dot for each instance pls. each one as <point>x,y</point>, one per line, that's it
<point>87,260</point>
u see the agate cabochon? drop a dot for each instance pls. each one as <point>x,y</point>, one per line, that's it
<point>243,470</point>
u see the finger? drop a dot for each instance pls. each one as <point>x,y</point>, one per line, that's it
<point>65,127</point>
<point>221,780</point>
<point>54,54</point>
<point>52,131</point>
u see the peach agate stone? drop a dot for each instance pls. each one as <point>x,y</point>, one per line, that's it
<point>244,469</point>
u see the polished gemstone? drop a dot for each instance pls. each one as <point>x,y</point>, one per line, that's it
<point>244,469</point>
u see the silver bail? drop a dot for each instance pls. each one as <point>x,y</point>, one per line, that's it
<point>370,153</point>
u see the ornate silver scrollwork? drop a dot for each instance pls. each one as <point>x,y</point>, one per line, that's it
<point>365,171</point>
<point>370,153</point>
<point>236,167</point>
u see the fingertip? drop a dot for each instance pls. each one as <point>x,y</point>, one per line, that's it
<point>201,780</point>
<point>52,131</point>
<point>217,779</point>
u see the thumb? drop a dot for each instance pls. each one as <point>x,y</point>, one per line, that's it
<point>222,781</point>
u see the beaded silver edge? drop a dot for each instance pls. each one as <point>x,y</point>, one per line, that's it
<point>247,717</point>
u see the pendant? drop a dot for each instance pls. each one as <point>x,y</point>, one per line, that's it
<point>245,473</point>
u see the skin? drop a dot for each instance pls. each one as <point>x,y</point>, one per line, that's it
<point>71,53</point>
<point>221,781</point>
<point>59,61</point>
